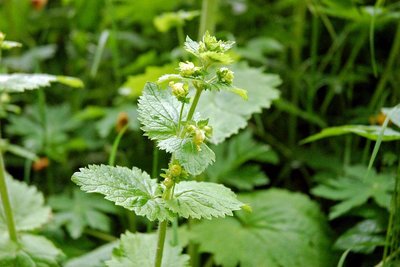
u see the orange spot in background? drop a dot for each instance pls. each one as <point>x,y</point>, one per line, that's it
<point>38,4</point>
<point>377,119</point>
<point>122,121</point>
<point>41,164</point>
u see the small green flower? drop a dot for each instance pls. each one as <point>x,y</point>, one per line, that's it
<point>180,90</point>
<point>225,75</point>
<point>188,69</point>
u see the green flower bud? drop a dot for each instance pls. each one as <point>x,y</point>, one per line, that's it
<point>179,90</point>
<point>168,182</point>
<point>199,138</point>
<point>208,130</point>
<point>188,69</point>
<point>191,129</point>
<point>225,75</point>
<point>175,170</point>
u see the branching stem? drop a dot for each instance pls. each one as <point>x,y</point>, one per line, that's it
<point>199,90</point>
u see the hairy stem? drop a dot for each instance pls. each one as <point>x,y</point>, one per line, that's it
<point>5,200</point>
<point>162,230</point>
<point>199,90</point>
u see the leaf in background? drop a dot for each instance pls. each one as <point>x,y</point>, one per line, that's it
<point>50,137</point>
<point>133,87</point>
<point>138,250</point>
<point>203,200</point>
<point>19,82</point>
<point>394,114</point>
<point>81,211</point>
<point>94,258</point>
<point>159,115</point>
<point>31,251</point>
<point>130,188</point>
<point>354,188</point>
<point>222,107</point>
<point>258,47</point>
<point>6,45</point>
<point>27,202</point>
<point>284,230</point>
<point>232,156</point>
<point>30,59</point>
<point>364,237</point>
<point>370,132</point>
<point>168,20</point>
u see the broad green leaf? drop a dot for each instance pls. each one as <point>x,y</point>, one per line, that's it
<point>159,114</point>
<point>139,250</point>
<point>284,230</point>
<point>232,167</point>
<point>19,82</point>
<point>364,237</point>
<point>80,211</point>
<point>133,87</point>
<point>203,200</point>
<point>371,132</point>
<point>228,113</point>
<point>32,251</point>
<point>30,213</point>
<point>94,258</point>
<point>393,114</point>
<point>29,60</point>
<point>131,188</point>
<point>354,188</point>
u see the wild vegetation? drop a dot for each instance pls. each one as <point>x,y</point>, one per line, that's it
<point>199,133</point>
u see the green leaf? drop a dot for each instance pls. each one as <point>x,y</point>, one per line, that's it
<point>169,20</point>
<point>31,251</point>
<point>203,200</point>
<point>6,45</point>
<point>159,114</point>
<point>130,188</point>
<point>233,167</point>
<point>364,237</point>
<point>133,87</point>
<point>20,151</point>
<point>393,114</point>
<point>81,211</point>
<point>19,82</point>
<point>371,132</point>
<point>94,258</point>
<point>284,230</point>
<point>222,108</point>
<point>354,188</point>
<point>139,250</point>
<point>30,213</point>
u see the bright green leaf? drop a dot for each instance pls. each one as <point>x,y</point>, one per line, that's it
<point>139,250</point>
<point>354,188</point>
<point>19,82</point>
<point>130,188</point>
<point>169,20</point>
<point>222,107</point>
<point>6,45</point>
<point>94,258</point>
<point>194,161</point>
<point>371,132</point>
<point>284,230</point>
<point>203,200</point>
<point>393,114</point>
<point>30,213</point>
<point>31,251</point>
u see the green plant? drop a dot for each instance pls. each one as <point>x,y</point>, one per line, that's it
<point>169,117</point>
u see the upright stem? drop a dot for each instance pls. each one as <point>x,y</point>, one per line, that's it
<point>208,17</point>
<point>199,90</point>
<point>5,199</point>
<point>162,230</point>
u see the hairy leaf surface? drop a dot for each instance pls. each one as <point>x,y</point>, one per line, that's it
<point>284,230</point>
<point>19,82</point>
<point>355,188</point>
<point>228,113</point>
<point>31,251</point>
<point>30,213</point>
<point>203,200</point>
<point>130,188</point>
<point>138,250</point>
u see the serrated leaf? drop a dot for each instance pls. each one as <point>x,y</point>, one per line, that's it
<point>222,107</point>
<point>27,202</point>
<point>94,258</point>
<point>131,188</point>
<point>159,114</point>
<point>80,211</point>
<point>284,230</point>
<point>191,46</point>
<point>354,188</point>
<point>368,131</point>
<point>139,250</point>
<point>19,82</point>
<point>364,237</point>
<point>203,200</point>
<point>232,156</point>
<point>31,251</point>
